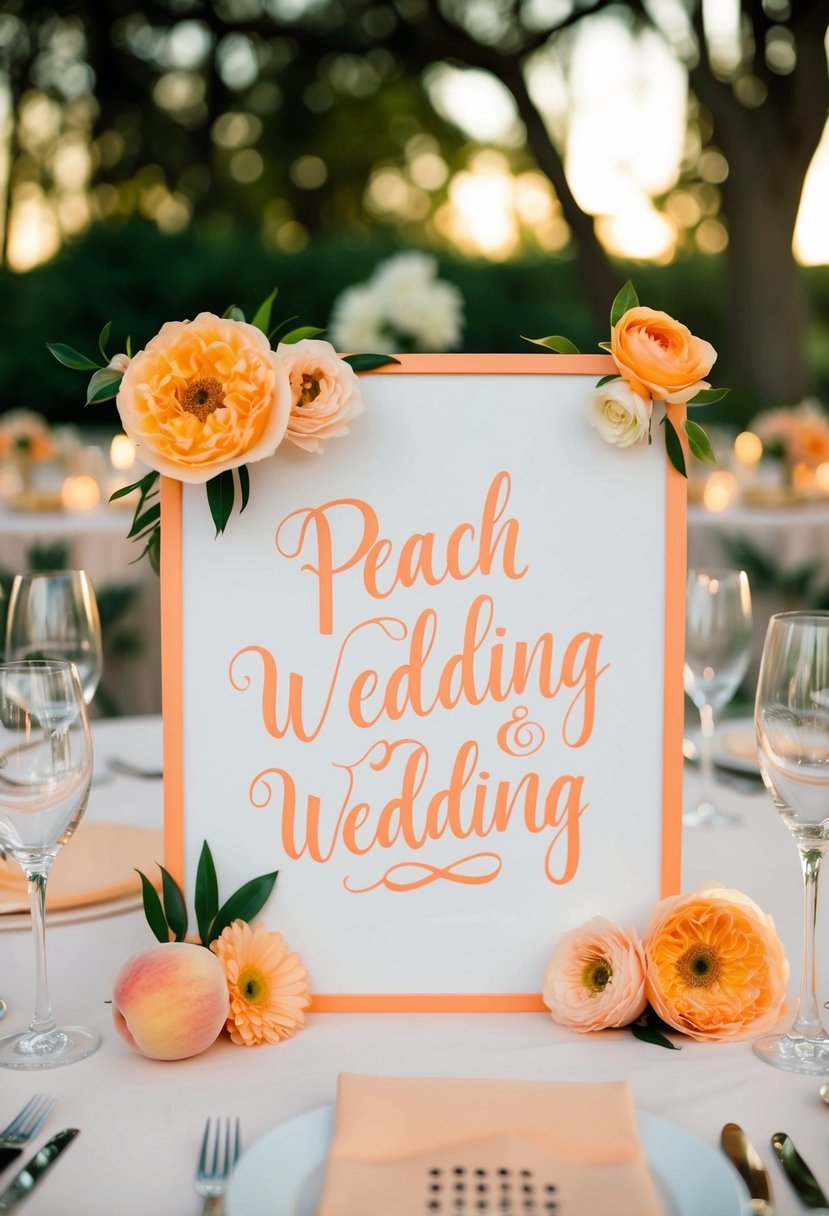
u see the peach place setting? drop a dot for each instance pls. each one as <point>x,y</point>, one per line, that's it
<point>408,902</point>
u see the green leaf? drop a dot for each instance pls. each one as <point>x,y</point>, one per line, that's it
<point>174,906</point>
<point>207,894</point>
<point>367,363</point>
<point>103,385</point>
<point>153,910</point>
<point>71,358</point>
<point>102,341</point>
<point>262,316</point>
<point>297,335</point>
<point>282,325</point>
<point>244,904</point>
<point>699,442</point>
<point>145,485</point>
<point>708,396</point>
<point>233,314</point>
<point>562,346</point>
<point>648,1034</point>
<point>220,495</point>
<point>607,379</point>
<point>129,347</point>
<point>153,550</point>
<point>627,298</point>
<point>144,519</point>
<point>605,346</point>
<point>244,485</point>
<point>673,446</point>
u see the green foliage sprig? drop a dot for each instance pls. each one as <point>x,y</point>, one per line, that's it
<point>167,915</point>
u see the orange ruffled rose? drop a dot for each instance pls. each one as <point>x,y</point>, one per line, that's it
<point>325,392</point>
<point>660,357</point>
<point>204,396</point>
<point>267,985</point>
<point>716,968</point>
<point>596,977</point>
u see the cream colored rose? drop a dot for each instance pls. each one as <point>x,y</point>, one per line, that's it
<point>325,392</point>
<point>619,414</point>
<point>596,977</point>
<point>119,363</point>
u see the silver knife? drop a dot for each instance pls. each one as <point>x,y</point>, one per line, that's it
<point>746,1160</point>
<point>798,1173</point>
<point>34,1170</point>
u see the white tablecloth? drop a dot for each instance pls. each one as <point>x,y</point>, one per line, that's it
<point>142,1121</point>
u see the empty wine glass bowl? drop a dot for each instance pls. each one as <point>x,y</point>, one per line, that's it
<point>45,773</point>
<point>792,722</point>
<point>54,615</point>
<point>718,636</point>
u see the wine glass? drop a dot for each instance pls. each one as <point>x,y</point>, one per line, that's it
<point>792,720</point>
<point>45,771</point>
<point>54,615</point>
<point>717,653</point>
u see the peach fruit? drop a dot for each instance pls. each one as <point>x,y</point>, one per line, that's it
<point>170,1001</point>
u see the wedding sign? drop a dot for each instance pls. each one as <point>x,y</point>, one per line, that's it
<point>434,679</point>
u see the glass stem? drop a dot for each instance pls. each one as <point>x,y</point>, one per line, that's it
<point>706,753</point>
<point>43,1021</point>
<point>808,1022</point>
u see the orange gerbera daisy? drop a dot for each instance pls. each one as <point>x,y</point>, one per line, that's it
<point>716,968</point>
<point>267,985</point>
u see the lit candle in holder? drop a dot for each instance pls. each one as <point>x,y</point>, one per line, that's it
<point>720,491</point>
<point>80,493</point>
<point>748,448</point>
<point>822,477</point>
<point>122,452</point>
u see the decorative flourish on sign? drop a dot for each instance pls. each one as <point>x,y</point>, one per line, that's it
<point>424,874</point>
<point>518,737</point>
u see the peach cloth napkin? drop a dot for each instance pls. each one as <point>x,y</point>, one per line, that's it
<point>403,1146</point>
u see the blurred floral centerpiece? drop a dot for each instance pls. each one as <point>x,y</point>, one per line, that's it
<point>404,307</point>
<point>797,435</point>
<point>25,441</point>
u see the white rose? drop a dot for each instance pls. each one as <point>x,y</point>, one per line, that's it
<point>619,414</point>
<point>357,321</point>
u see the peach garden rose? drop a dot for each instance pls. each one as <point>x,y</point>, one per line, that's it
<point>204,396</point>
<point>716,968</point>
<point>595,978</point>
<point>660,357</point>
<point>325,392</point>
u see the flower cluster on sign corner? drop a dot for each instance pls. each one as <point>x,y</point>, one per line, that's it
<point>206,398</point>
<point>267,984</point>
<point>710,966</point>
<point>658,361</point>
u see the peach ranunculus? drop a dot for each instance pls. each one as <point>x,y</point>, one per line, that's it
<point>325,392</point>
<point>204,396</point>
<point>267,985</point>
<point>716,968</point>
<point>620,415</point>
<point>660,357</point>
<point>595,978</point>
<point>25,435</point>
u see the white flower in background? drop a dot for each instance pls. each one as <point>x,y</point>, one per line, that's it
<point>619,414</point>
<point>403,307</point>
<point>357,321</point>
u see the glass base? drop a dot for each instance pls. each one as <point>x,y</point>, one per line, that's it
<point>706,815</point>
<point>809,1057</point>
<point>65,1045</point>
<point>3,1008</point>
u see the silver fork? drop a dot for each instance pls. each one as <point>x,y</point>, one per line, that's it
<point>219,1154</point>
<point>23,1127</point>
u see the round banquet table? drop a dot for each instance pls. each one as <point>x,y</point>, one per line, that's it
<point>142,1121</point>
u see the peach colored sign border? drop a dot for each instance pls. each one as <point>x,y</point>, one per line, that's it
<point>673,706</point>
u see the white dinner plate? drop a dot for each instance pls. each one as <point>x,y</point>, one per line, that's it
<point>281,1175</point>
<point>735,746</point>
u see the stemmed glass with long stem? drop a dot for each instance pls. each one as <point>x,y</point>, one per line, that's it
<point>792,720</point>
<point>718,635</point>
<point>54,615</point>
<point>45,771</point>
